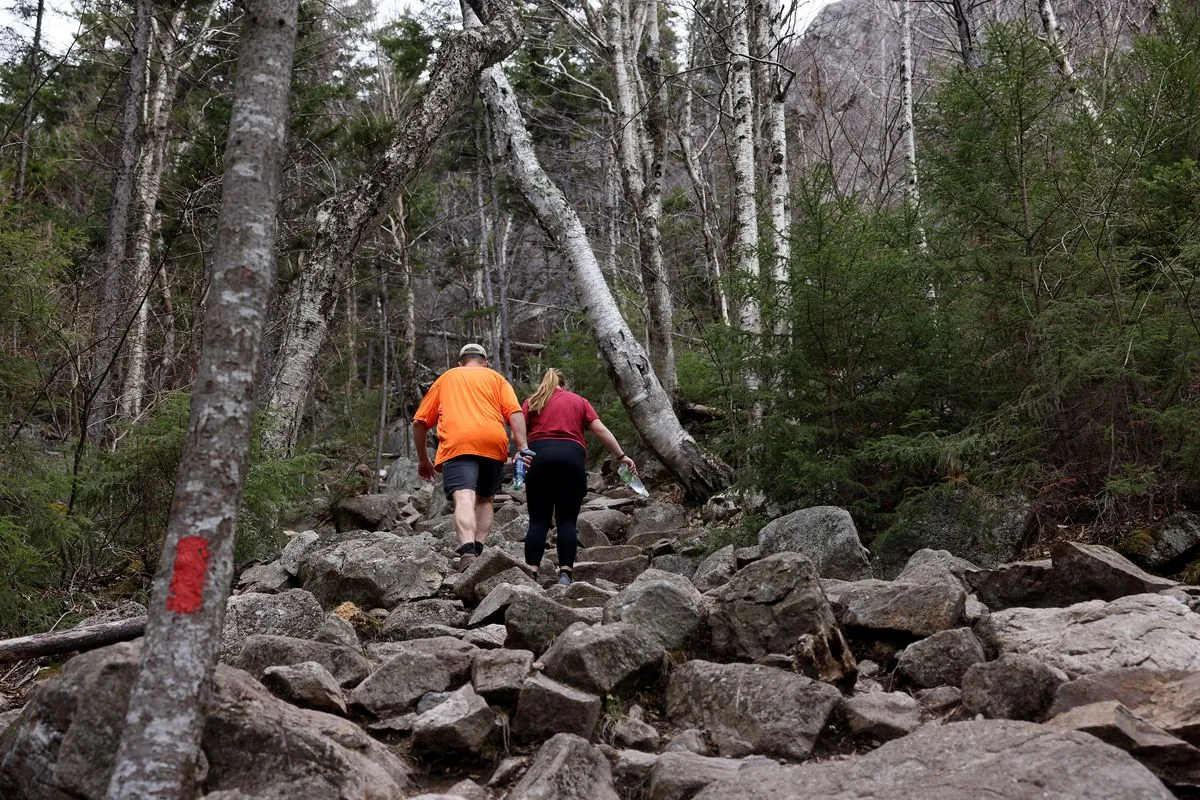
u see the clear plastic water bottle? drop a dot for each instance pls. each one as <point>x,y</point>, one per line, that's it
<point>632,480</point>
<point>519,469</point>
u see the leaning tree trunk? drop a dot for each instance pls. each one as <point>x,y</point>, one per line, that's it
<point>961,9</point>
<point>344,219</point>
<point>157,756</point>
<point>100,392</point>
<point>647,404</point>
<point>912,186</point>
<point>1058,49</point>
<point>745,212</point>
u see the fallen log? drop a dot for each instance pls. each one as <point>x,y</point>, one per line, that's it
<point>71,641</point>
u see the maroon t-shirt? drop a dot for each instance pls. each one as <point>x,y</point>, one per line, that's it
<point>566,416</point>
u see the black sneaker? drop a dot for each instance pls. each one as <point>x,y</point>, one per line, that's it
<point>564,578</point>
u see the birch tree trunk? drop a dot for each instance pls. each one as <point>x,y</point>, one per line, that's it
<point>100,393</point>
<point>912,186</point>
<point>648,406</point>
<point>774,85</point>
<point>641,150</point>
<point>961,10</point>
<point>35,71</point>
<point>745,212</point>
<point>344,219</point>
<point>1058,49</point>
<point>156,759</point>
<point>153,165</point>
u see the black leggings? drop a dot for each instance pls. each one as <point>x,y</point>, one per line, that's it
<point>555,487</point>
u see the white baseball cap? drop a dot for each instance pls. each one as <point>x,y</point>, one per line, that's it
<point>472,349</point>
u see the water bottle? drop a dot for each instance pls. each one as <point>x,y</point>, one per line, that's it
<point>519,469</point>
<point>632,480</point>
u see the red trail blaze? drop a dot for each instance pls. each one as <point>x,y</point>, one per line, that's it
<point>187,577</point>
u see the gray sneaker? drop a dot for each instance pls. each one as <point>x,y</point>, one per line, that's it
<point>564,579</point>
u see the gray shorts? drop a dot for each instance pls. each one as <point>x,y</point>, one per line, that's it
<point>480,474</point>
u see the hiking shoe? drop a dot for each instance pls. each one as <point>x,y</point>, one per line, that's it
<point>564,579</point>
<point>466,560</point>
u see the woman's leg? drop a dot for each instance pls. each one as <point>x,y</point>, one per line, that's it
<point>539,500</point>
<point>568,497</point>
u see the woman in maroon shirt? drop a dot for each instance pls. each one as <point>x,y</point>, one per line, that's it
<point>557,479</point>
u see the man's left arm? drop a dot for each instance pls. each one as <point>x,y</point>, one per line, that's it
<point>511,409</point>
<point>516,421</point>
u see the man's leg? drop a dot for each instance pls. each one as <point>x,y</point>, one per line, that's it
<point>465,515</point>
<point>485,513</point>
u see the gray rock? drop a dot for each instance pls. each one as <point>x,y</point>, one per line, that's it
<point>614,552</point>
<point>400,682</point>
<point>122,611</point>
<point>370,512</point>
<point>1011,687</point>
<point>566,768</point>
<point>1167,699</point>
<point>909,608</point>
<point>934,567</point>
<point>1028,584</point>
<point>461,725</point>
<point>970,523</point>
<point>657,517</point>
<point>668,610</point>
<point>487,637</point>
<point>631,769</point>
<point>749,709</point>
<point>600,528</point>
<point>419,612</point>
<point>373,570</point>
<point>335,630</point>
<point>534,621</point>
<point>468,789</point>
<point>456,655</point>
<point>634,732</point>
<point>546,707</point>
<point>293,613</point>
<point>259,652</point>
<point>609,659</point>
<point>826,535</point>
<point>581,594</point>
<point>1096,572</point>
<point>1173,760</point>
<point>294,551</point>
<point>7,718</point>
<point>716,570</point>
<point>66,741</point>
<point>265,578</point>
<point>748,555</point>
<point>1177,539</point>
<point>882,716</point>
<point>942,659</point>
<point>776,605</point>
<point>1000,760</point>
<point>1147,630</point>
<point>621,572</point>
<point>941,699</point>
<point>689,740</point>
<point>492,562</point>
<point>676,563</point>
<point>660,542</point>
<point>306,684</point>
<point>495,605</point>
<point>498,675</point>
<point>680,775</point>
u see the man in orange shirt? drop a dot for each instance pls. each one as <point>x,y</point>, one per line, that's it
<point>469,404</point>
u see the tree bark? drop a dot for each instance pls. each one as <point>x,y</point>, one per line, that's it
<point>961,10</point>
<point>774,83</point>
<point>1058,49</point>
<point>35,55</point>
<point>342,220</point>
<point>912,185</point>
<point>100,393</point>
<point>156,759</point>
<point>71,641</point>
<point>648,406</point>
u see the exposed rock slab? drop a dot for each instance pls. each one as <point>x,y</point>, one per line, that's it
<point>306,684</point>
<point>257,653</point>
<point>604,659</point>
<point>373,570</point>
<point>667,609</point>
<point>909,608</point>
<point>1168,699</point>
<point>294,613</point>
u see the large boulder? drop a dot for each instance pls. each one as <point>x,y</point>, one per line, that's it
<point>882,716</point>
<point>1011,687</point>
<point>306,684</point>
<point>424,612</point>
<point>456,655</point>
<point>750,709</point>
<point>621,572</point>
<point>602,527</point>
<point>374,570</point>
<point>259,652</point>
<point>295,613</point>
<point>294,551</point>
<point>932,567</point>
<point>64,744</point>
<point>661,604</point>
<point>1096,572</point>
<point>498,675</point>
<point>907,608</point>
<point>776,605</point>
<point>1168,699</point>
<point>606,659</point>
<point>1146,630</point>
<point>826,534</point>
<point>999,760</point>
<point>942,659</point>
<point>370,512</point>
<point>566,768</point>
<point>493,561</point>
<point>679,775</point>
<point>657,517</point>
<point>1027,584</point>
<point>397,685</point>
<point>534,621</point>
<point>460,725</point>
<point>970,523</point>
<point>716,570</point>
<point>546,707</point>
<point>1175,541</point>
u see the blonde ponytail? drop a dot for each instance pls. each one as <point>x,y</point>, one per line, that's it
<point>551,380</point>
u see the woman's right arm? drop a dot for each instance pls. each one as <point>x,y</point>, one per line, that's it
<point>601,432</point>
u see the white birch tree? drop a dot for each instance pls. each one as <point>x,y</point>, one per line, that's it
<point>156,759</point>
<point>1058,49</point>
<point>908,135</point>
<point>344,219</point>
<point>774,81</point>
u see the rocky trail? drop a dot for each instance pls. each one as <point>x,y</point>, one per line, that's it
<point>360,666</point>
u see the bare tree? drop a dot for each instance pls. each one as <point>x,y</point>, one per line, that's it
<point>647,404</point>
<point>344,219</point>
<point>156,759</point>
<point>1058,49</point>
<point>34,73</point>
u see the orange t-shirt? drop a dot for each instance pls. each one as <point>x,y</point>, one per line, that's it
<point>469,406</point>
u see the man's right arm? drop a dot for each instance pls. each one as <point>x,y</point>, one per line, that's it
<point>421,425</point>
